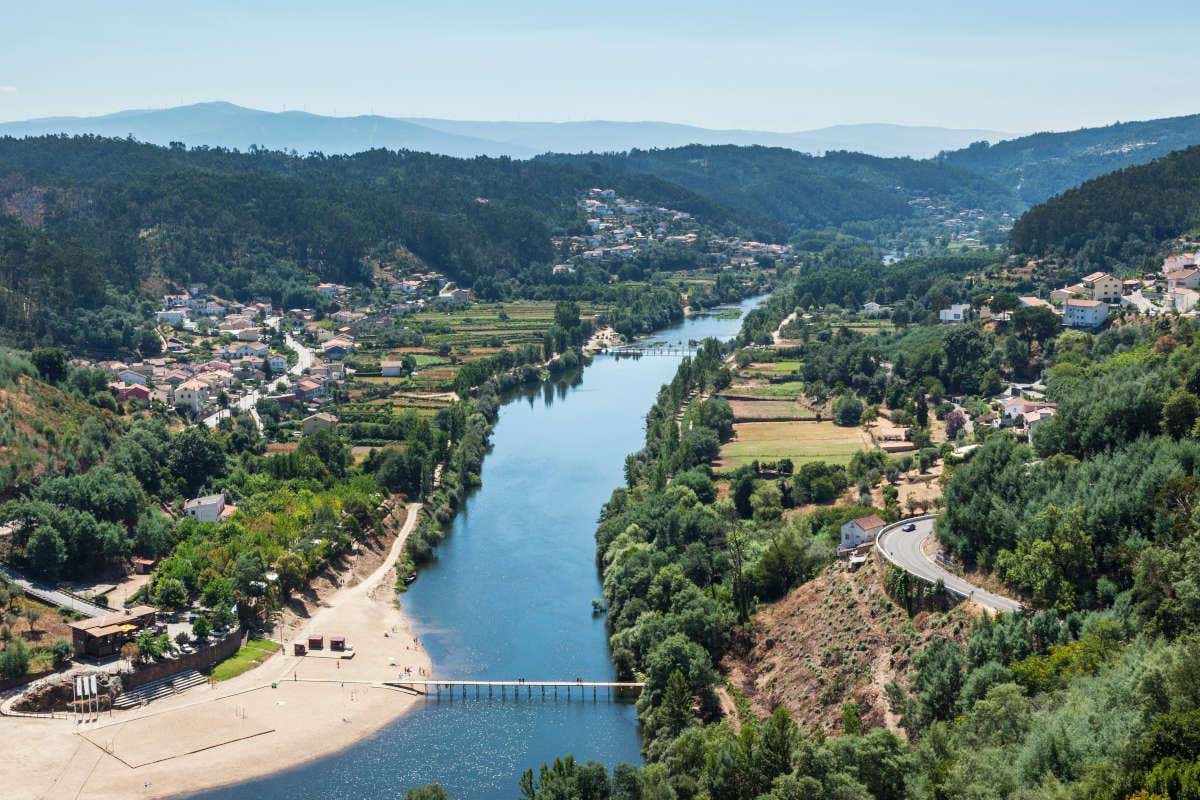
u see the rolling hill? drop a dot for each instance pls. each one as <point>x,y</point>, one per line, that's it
<point>1118,221</point>
<point>800,190</point>
<point>1042,165</point>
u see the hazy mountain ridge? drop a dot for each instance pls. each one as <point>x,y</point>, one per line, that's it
<point>220,124</point>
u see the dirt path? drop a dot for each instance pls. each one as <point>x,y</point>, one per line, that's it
<point>882,674</point>
<point>777,334</point>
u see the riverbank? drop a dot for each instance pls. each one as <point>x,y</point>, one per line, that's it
<point>242,728</point>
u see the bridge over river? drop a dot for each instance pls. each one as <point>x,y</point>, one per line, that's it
<point>651,350</point>
<point>546,689</point>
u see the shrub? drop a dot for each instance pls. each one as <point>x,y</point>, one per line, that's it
<point>62,651</point>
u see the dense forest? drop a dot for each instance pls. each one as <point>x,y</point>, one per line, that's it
<point>800,190</point>
<point>1119,221</point>
<point>92,226</point>
<point>1041,165</point>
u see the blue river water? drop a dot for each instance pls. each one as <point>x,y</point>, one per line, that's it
<point>510,596</point>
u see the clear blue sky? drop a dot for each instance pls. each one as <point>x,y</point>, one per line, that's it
<point>1012,65</point>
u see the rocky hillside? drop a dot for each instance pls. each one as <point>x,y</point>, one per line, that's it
<point>834,640</point>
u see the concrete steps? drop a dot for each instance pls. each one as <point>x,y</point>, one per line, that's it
<point>163,687</point>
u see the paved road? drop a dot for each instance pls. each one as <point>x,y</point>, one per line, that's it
<point>47,593</point>
<point>903,548</point>
<point>244,403</point>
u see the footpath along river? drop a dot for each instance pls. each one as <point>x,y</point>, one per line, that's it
<point>509,596</point>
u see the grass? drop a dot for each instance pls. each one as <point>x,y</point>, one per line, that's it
<point>787,389</point>
<point>800,441</point>
<point>780,409</point>
<point>248,656</point>
<point>774,367</point>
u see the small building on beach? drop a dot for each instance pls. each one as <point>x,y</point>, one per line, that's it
<point>106,635</point>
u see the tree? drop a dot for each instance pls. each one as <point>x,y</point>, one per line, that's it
<point>51,363</point>
<point>674,714</point>
<point>14,659</point>
<point>171,593</point>
<point>773,756</point>
<point>847,411</point>
<point>677,653</point>
<point>62,651</point>
<point>32,614</point>
<point>195,457</point>
<point>743,489</point>
<point>767,503</point>
<point>249,574</point>
<point>434,791</point>
<point>566,314</point>
<point>46,552</point>
<point>1036,323</point>
<point>201,628</point>
<point>1180,412</point>
<point>699,482</point>
<point>1002,302</point>
<point>956,420</point>
<point>851,718</point>
<point>292,571</point>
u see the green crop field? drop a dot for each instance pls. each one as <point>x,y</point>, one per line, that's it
<point>799,441</point>
<point>786,390</point>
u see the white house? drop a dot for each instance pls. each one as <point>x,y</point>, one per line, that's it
<point>957,312</point>
<point>206,509</point>
<point>1188,277</point>
<point>318,422</point>
<point>871,307</point>
<point>192,393</point>
<point>1104,287</point>
<point>256,349</point>
<point>277,362</point>
<point>248,334</point>
<point>391,369</point>
<point>1084,313</point>
<point>1182,299</point>
<point>132,376</point>
<point>863,529</point>
<point>173,317</point>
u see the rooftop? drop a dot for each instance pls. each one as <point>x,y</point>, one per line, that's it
<point>116,618</point>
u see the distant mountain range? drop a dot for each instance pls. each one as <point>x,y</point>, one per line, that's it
<point>221,124</point>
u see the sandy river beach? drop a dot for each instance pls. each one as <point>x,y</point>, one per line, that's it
<point>241,728</point>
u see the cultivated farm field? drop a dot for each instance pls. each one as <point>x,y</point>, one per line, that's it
<point>799,441</point>
<point>768,410</point>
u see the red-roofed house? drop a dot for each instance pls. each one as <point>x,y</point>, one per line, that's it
<point>863,529</point>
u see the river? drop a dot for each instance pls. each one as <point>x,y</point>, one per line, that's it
<point>510,596</point>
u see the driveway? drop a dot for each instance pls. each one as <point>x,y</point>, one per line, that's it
<point>903,548</point>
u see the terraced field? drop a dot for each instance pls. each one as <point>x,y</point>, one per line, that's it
<point>450,339</point>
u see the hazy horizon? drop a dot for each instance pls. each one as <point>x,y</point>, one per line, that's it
<point>774,67</point>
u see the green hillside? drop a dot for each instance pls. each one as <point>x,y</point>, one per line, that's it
<point>1118,220</point>
<point>1042,165</point>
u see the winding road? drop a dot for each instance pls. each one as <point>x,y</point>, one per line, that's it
<point>904,549</point>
